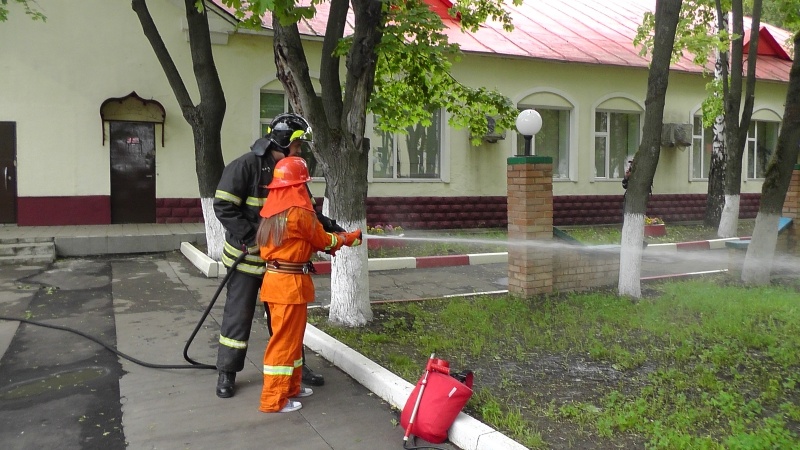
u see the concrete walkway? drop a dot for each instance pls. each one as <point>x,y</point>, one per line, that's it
<point>60,390</point>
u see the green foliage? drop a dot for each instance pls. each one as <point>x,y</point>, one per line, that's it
<point>34,13</point>
<point>696,32</point>
<point>413,78</point>
<point>703,364</point>
<point>713,105</point>
<point>781,13</point>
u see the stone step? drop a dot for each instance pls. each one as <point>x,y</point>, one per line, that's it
<point>23,260</point>
<point>21,252</point>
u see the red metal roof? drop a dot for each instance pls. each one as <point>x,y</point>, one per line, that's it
<point>578,31</point>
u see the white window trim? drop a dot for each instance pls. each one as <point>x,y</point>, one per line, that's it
<point>573,126</point>
<point>596,134</point>
<point>697,111</point>
<point>592,124</point>
<point>746,155</point>
<point>444,154</point>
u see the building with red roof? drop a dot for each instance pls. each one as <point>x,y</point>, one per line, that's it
<point>572,60</point>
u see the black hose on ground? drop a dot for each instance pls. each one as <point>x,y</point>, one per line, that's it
<point>194,364</point>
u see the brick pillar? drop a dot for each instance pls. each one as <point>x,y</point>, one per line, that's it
<point>791,208</point>
<point>530,218</point>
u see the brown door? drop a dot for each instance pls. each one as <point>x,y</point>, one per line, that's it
<point>133,170</point>
<point>8,170</point>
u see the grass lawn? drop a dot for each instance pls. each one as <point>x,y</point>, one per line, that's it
<point>701,364</point>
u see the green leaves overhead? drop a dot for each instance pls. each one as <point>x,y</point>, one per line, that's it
<point>413,77</point>
<point>249,13</point>
<point>696,32</point>
<point>34,13</point>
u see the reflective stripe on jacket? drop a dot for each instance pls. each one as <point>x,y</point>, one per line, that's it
<point>237,202</point>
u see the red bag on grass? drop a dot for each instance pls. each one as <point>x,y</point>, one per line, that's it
<point>442,399</point>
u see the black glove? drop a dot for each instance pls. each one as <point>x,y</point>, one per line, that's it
<point>329,225</point>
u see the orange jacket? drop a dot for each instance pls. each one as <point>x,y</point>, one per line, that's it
<point>304,236</point>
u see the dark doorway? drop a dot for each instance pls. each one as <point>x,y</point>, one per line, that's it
<point>133,170</point>
<point>8,170</point>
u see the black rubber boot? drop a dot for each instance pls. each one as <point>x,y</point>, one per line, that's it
<point>312,379</point>
<point>225,384</point>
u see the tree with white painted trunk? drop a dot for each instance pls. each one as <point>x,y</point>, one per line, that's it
<point>665,22</point>
<point>714,116</point>
<point>206,117</point>
<point>397,66</point>
<point>758,261</point>
<point>737,118</point>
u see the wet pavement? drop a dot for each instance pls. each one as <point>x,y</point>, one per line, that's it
<point>61,390</point>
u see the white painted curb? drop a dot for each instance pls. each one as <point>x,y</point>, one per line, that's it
<point>466,432</point>
<point>487,258</point>
<point>214,269</point>
<point>208,266</point>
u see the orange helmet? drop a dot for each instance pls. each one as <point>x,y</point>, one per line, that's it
<point>289,171</point>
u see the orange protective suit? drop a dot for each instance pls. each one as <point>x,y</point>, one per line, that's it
<point>288,294</point>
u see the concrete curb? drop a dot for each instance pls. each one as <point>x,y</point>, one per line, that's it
<point>710,244</point>
<point>466,432</point>
<point>214,269</point>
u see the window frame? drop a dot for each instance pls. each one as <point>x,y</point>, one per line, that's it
<point>570,137</point>
<point>264,122</point>
<point>754,141</point>
<point>698,115</point>
<point>444,153</point>
<point>607,135</point>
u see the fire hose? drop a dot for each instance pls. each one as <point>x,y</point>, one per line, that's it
<point>193,364</point>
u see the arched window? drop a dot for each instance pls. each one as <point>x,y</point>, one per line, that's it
<point>617,133</point>
<point>702,144</point>
<point>555,138</point>
<point>273,103</point>
<point>762,140</point>
<point>417,154</point>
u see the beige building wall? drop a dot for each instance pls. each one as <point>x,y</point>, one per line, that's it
<point>56,75</point>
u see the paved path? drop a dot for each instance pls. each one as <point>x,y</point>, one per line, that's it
<point>59,390</point>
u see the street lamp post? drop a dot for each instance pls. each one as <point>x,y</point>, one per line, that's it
<point>529,122</point>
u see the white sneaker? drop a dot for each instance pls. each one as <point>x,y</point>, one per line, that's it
<point>291,405</point>
<point>304,392</point>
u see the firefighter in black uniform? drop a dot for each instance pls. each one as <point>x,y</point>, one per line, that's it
<point>238,200</point>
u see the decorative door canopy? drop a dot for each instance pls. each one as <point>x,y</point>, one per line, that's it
<point>132,108</point>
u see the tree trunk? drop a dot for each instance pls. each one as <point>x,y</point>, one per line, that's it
<point>736,130</point>
<point>646,160</point>
<point>339,123</point>
<point>715,199</point>
<point>761,251</point>
<point>206,118</point>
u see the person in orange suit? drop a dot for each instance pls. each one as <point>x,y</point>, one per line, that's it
<point>289,233</point>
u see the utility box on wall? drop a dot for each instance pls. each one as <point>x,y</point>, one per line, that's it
<point>676,135</point>
<point>492,135</point>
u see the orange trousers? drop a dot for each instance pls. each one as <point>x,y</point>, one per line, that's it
<point>283,357</point>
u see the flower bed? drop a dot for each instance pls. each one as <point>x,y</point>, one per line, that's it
<point>384,242</point>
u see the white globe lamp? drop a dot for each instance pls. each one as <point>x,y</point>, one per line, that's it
<point>529,122</point>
